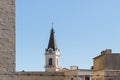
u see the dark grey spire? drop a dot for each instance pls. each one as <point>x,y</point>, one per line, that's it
<point>52,42</point>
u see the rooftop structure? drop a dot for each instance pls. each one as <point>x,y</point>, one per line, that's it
<point>107,66</point>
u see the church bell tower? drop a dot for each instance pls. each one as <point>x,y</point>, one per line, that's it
<point>52,54</point>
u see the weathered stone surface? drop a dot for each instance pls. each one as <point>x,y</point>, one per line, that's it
<point>112,75</point>
<point>39,76</point>
<point>106,66</point>
<point>75,74</point>
<point>7,39</point>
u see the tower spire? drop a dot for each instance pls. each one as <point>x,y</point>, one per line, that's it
<point>52,41</point>
<point>52,54</point>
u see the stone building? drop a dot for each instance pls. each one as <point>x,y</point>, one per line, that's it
<point>107,66</point>
<point>80,74</point>
<point>7,39</point>
<point>53,71</point>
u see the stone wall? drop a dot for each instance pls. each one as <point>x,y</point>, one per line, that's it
<point>112,74</point>
<point>80,74</point>
<point>99,63</point>
<point>112,61</point>
<point>98,75</point>
<point>7,39</point>
<point>106,66</point>
<point>39,76</point>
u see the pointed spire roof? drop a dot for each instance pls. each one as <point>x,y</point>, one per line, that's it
<point>52,41</point>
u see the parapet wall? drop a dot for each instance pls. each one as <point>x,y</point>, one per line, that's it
<point>39,76</point>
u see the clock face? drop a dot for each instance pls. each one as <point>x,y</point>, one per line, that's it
<point>50,51</point>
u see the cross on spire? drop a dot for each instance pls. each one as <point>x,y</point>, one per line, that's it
<point>52,24</point>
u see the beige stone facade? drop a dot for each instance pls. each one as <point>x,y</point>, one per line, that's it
<point>81,74</point>
<point>39,76</point>
<point>7,39</point>
<point>106,66</point>
<point>55,56</point>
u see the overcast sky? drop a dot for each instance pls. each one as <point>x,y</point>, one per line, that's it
<point>83,28</point>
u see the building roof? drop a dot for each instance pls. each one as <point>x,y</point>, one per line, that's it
<point>52,41</point>
<point>63,70</point>
<point>104,52</point>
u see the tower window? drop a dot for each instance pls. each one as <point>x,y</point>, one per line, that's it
<point>87,78</point>
<point>50,61</point>
<point>71,78</point>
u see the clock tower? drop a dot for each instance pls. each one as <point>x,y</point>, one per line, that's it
<point>52,54</point>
